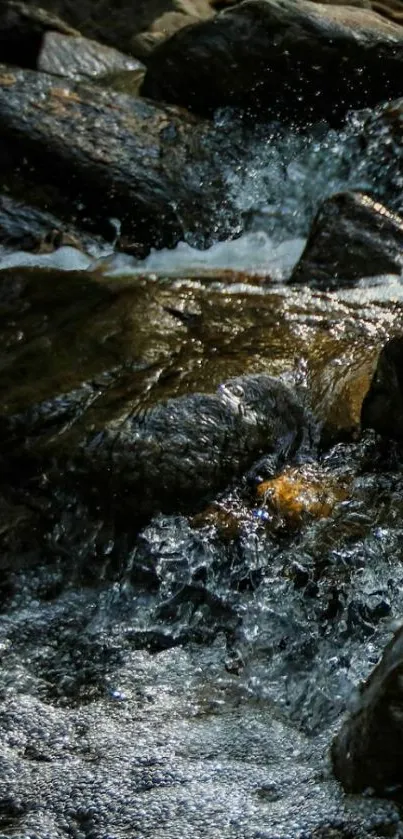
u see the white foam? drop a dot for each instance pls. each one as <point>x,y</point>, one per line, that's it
<point>65,259</point>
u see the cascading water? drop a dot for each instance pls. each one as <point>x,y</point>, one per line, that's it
<point>283,177</point>
<point>187,681</point>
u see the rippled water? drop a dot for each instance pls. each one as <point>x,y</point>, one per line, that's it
<point>187,681</point>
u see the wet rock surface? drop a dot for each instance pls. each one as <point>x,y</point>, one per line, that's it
<point>30,229</point>
<point>80,58</point>
<point>367,751</point>
<point>352,237</point>
<point>296,60</point>
<point>117,155</point>
<point>201,469</point>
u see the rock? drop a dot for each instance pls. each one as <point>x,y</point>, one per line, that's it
<point>104,388</point>
<point>300,493</point>
<point>391,9</point>
<point>22,30</point>
<point>28,228</point>
<point>117,156</point>
<point>118,26</point>
<point>352,236</point>
<point>382,408</point>
<point>180,453</point>
<point>367,752</point>
<point>143,44</point>
<point>78,58</point>
<point>287,58</point>
<point>381,140</point>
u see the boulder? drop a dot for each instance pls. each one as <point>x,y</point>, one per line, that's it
<point>105,388</point>
<point>283,58</point>
<point>353,236</point>
<point>382,408</point>
<point>155,168</point>
<point>80,58</point>
<point>367,752</point>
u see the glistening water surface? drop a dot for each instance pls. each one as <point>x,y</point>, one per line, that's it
<point>186,681</point>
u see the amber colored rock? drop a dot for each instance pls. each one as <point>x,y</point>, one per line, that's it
<point>301,492</point>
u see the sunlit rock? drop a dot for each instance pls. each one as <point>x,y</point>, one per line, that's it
<point>353,236</point>
<point>299,493</point>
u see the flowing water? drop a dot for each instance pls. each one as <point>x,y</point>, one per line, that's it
<point>187,681</point>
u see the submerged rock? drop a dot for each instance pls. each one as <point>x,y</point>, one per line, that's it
<point>382,408</point>
<point>367,752</point>
<point>156,169</point>
<point>80,58</point>
<point>298,60</point>
<point>183,451</point>
<point>352,236</point>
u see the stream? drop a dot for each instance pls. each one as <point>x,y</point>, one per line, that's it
<point>187,681</point>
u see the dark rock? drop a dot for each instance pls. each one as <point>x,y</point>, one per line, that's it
<point>351,237</point>
<point>163,27</point>
<point>80,58</point>
<point>297,60</point>
<point>180,453</point>
<point>382,141</point>
<point>114,155</point>
<point>382,408</point>
<point>22,30</point>
<point>28,228</point>
<point>367,752</point>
